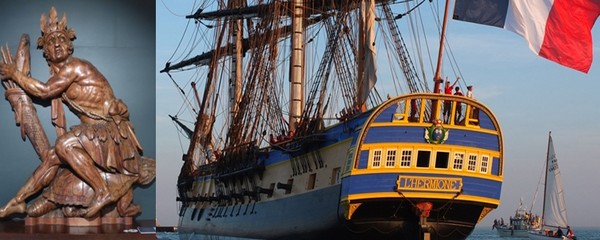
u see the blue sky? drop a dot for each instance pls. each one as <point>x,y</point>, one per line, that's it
<point>528,94</point>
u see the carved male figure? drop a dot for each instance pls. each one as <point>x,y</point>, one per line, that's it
<point>103,141</point>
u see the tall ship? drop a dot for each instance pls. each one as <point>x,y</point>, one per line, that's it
<point>303,131</point>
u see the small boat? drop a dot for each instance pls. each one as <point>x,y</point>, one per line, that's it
<point>518,226</point>
<point>554,211</point>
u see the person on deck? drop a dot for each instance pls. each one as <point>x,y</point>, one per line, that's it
<point>474,110</point>
<point>570,233</point>
<point>458,118</point>
<point>414,112</point>
<point>448,104</point>
<point>558,233</point>
<point>470,91</point>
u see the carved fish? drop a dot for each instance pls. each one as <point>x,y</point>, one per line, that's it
<point>22,57</point>
<point>25,113</point>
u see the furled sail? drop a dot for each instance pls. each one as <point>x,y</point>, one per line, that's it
<point>369,76</point>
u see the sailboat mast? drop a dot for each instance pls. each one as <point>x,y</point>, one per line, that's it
<point>297,65</point>
<point>438,75</point>
<point>546,177</point>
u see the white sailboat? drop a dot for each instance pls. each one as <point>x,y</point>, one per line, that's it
<point>554,212</point>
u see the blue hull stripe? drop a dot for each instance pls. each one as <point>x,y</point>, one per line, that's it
<point>404,134</point>
<point>364,159</point>
<point>335,134</point>
<point>386,115</point>
<point>386,182</point>
<point>496,166</point>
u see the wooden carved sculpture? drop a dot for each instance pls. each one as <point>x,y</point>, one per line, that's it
<point>93,166</point>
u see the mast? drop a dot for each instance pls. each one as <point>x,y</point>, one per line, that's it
<point>196,95</point>
<point>297,65</point>
<point>546,177</point>
<point>366,52</point>
<point>235,78</point>
<point>438,75</point>
<point>361,52</point>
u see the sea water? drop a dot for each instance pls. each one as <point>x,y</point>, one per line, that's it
<point>480,233</point>
<point>582,233</point>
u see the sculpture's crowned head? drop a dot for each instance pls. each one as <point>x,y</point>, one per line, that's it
<point>51,26</point>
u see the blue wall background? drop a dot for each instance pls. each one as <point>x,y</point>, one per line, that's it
<point>118,37</point>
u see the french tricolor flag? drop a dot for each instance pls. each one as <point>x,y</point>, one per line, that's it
<point>559,30</point>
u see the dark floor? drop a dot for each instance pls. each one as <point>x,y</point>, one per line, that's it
<point>16,229</point>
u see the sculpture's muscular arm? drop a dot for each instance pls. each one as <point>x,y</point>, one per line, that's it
<point>56,85</point>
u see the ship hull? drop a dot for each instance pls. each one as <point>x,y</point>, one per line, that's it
<point>316,215</point>
<point>512,233</point>
<point>292,216</point>
<point>365,178</point>
<point>539,235</point>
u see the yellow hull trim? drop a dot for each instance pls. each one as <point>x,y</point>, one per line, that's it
<point>411,195</point>
<point>412,171</point>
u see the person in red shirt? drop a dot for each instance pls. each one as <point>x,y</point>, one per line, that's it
<point>448,104</point>
<point>570,233</point>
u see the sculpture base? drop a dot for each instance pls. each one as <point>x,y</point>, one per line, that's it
<point>78,222</point>
<point>16,229</point>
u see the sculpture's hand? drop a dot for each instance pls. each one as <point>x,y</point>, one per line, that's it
<point>7,71</point>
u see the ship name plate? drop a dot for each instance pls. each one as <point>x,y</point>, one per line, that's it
<point>430,184</point>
